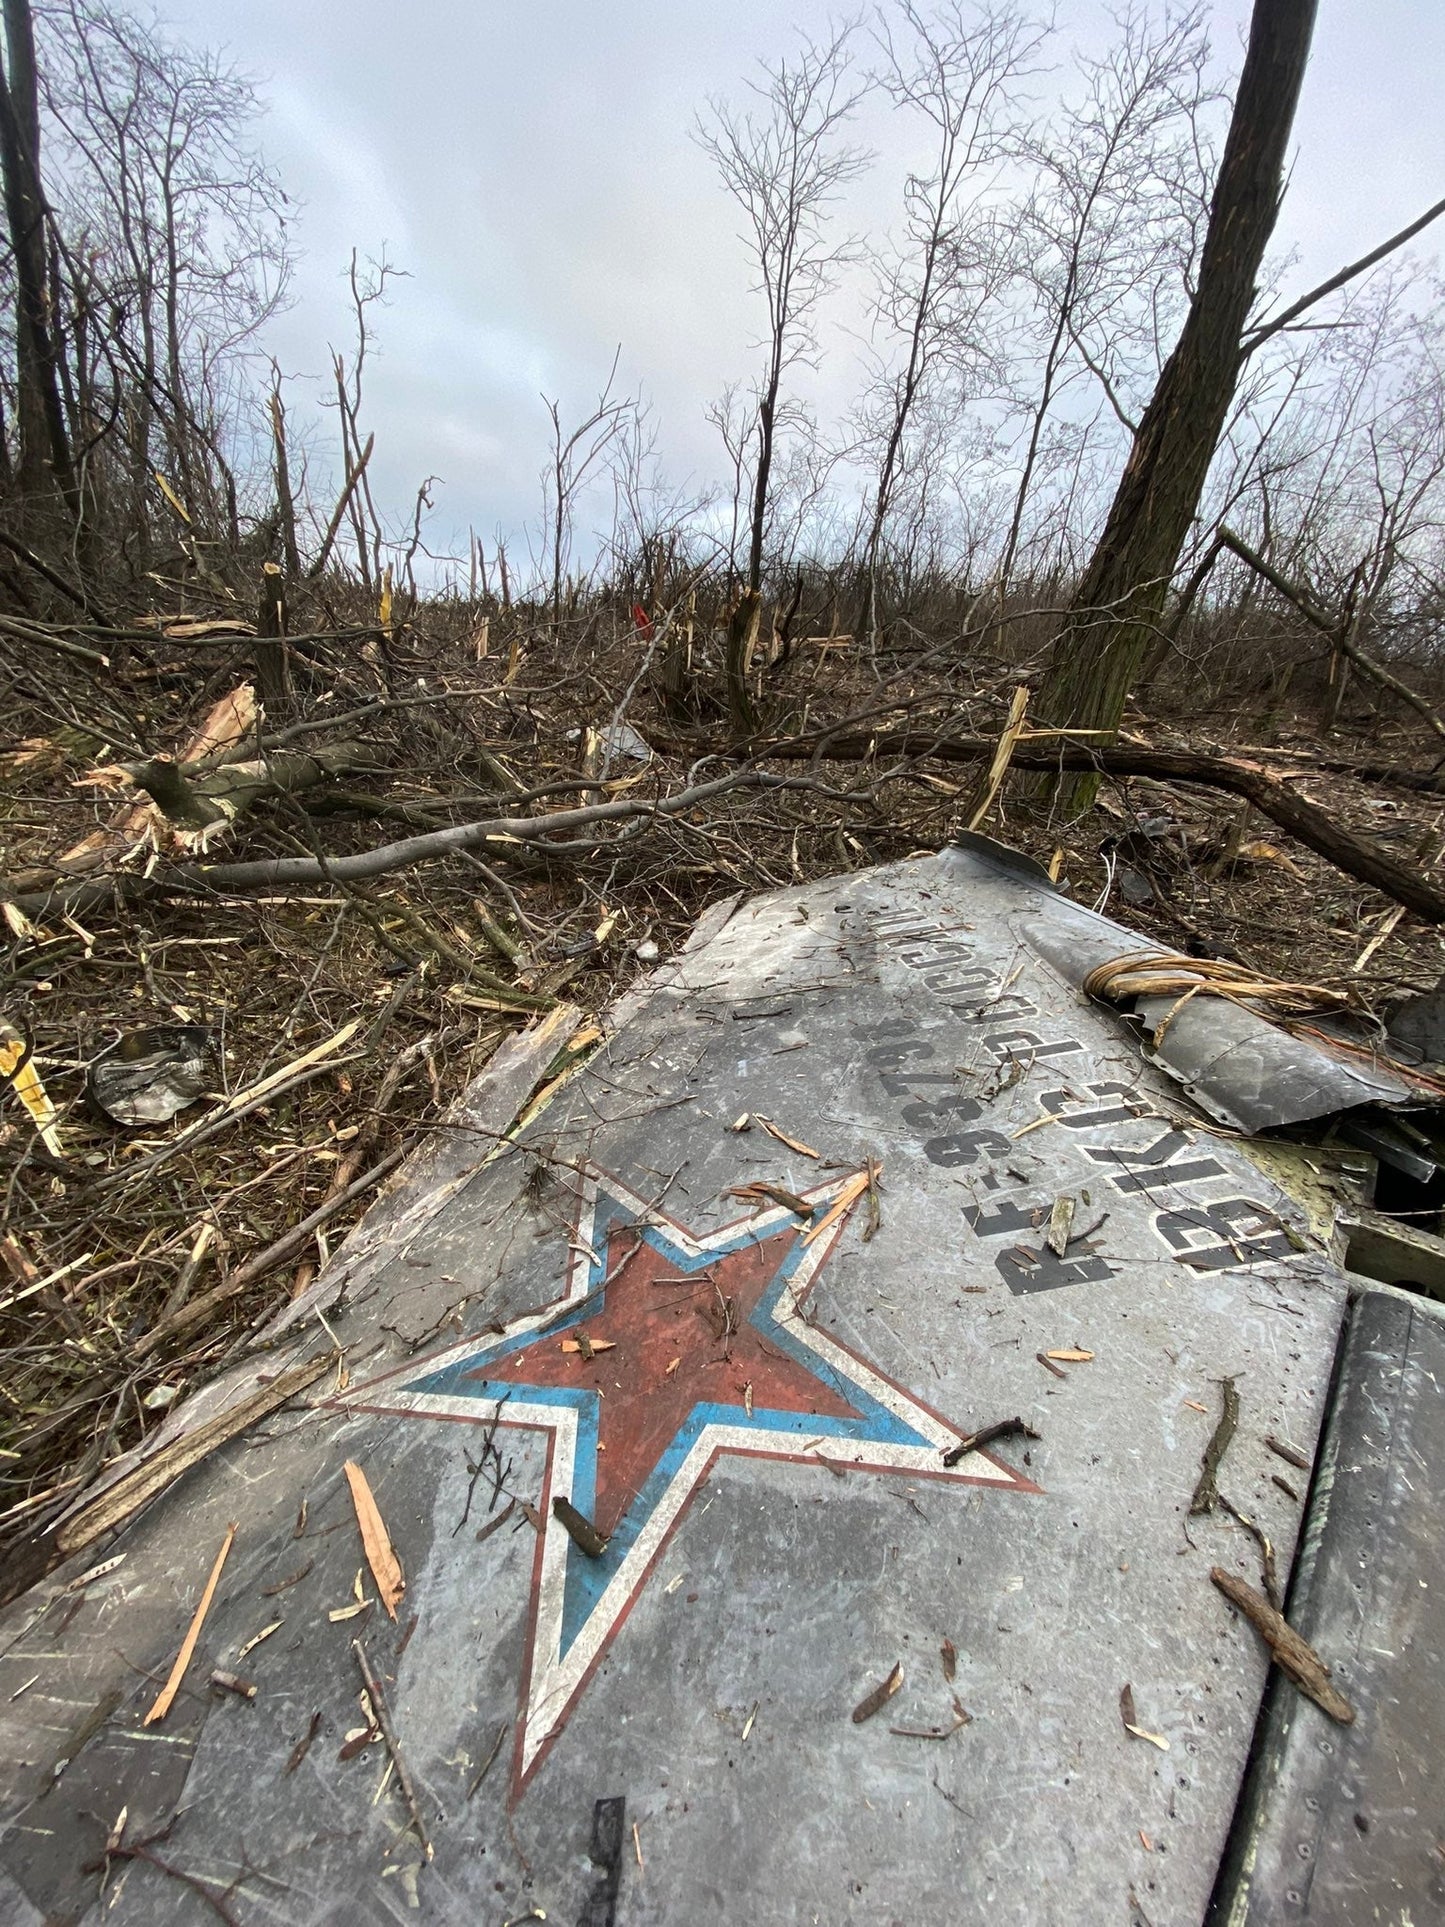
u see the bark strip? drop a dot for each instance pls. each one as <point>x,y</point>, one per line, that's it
<point>1294,1656</point>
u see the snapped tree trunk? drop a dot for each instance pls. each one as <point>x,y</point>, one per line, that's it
<point>1116,611</point>
<point>273,662</point>
<point>221,795</point>
<point>285,500</point>
<point>739,644</point>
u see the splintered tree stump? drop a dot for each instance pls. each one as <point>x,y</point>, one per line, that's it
<point>273,663</point>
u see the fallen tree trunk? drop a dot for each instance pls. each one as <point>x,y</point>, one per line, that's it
<point>1417,782</point>
<point>1355,855</point>
<point>222,794</point>
<point>271,873</point>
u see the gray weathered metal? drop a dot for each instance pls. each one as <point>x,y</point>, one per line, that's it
<point>1345,1827</point>
<point>747,1406</point>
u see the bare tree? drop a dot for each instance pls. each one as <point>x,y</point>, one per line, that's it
<point>1109,228</point>
<point>1117,606</point>
<point>574,459</point>
<point>653,521</point>
<point>734,416</point>
<point>169,241</point>
<point>368,286</point>
<point>1335,470</point>
<point>784,163</point>
<point>955,68</point>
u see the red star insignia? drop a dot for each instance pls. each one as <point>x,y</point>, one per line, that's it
<point>666,1348</point>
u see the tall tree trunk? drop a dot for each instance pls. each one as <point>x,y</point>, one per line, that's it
<point>1118,605</point>
<point>907,394</point>
<point>742,631</point>
<point>44,444</point>
<point>285,500</point>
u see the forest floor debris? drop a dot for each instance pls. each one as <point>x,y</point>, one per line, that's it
<point>344,1016</point>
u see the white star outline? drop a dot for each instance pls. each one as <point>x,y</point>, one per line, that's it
<point>558,1667</point>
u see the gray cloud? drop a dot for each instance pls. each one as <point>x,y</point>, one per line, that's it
<point>531,170</point>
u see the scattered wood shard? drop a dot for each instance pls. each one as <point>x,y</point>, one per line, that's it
<point>853,1189</point>
<point>579,1528</point>
<point>1294,1656</point>
<point>360,1603</point>
<point>759,1193</point>
<point>1131,1721</point>
<point>875,1210</point>
<point>17,1064</point>
<point>803,1150</point>
<point>166,1697</point>
<point>376,1543</point>
<point>987,789</point>
<point>879,1697</point>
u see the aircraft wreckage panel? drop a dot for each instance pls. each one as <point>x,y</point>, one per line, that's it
<point>754,1410</point>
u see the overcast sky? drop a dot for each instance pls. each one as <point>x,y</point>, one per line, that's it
<point>530,168</point>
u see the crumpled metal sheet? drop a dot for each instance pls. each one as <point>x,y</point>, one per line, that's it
<point>1238,1067</point>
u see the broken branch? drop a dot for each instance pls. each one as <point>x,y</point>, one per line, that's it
<point>1337,631</point>
<point>382,1714</point>
<point>1002,1429</point>
<point>1294,1656</point>
<point>1367,862</point>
